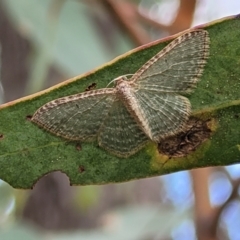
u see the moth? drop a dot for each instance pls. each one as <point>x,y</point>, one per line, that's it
<point>149,106</point>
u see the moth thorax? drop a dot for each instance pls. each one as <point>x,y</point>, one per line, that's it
<point>123,89</point>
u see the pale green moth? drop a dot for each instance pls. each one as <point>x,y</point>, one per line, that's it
<point>148,106</point>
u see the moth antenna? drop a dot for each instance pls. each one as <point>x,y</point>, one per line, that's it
<point>115,79</point>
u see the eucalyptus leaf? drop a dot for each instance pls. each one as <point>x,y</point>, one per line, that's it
<point>28,152</point>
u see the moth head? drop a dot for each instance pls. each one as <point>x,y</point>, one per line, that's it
<point>122,86</point>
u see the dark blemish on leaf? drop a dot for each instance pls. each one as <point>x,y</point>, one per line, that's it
<point>91,87</point>
<point>81,169</point>
<point>237,116</point>
<point>79,147</point>
<point>187,141</point>
<point>1,136</point>
<point>29,117</point>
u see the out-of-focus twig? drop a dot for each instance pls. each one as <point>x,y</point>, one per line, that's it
<point>184,17</point>
<point>207,217</point>
<point>203,208</point>
<point>126,15</point>
<point>218,211</point>
<point>42,58</point>
<point>181,22</point>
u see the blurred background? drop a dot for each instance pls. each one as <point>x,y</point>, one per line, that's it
<point>45,42</point>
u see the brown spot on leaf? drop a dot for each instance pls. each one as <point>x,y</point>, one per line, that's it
<point>1,136</point>
<point>196,132</point>
<point>29,117</point>
<point>91,87</point>
<point>79,147</point>
<point>81,169</point>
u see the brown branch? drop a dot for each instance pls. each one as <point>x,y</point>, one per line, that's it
<point>126,15</point>
<point>218,211</point>
<point>206,217</point>
<point>131,20</point>
<point>184,17</point>
<point>203,208</point>
<point>182,21</point>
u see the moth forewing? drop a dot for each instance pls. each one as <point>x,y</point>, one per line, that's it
<point>178,67</point>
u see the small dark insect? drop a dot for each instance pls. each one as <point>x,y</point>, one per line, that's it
<point>91,87</point>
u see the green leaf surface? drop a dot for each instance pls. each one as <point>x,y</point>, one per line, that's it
<point>28,152</point>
